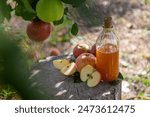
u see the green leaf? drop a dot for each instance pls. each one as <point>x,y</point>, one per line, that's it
<point>74,3</point>
<point>120,76</point>
<point>25,10</point>
<point>33,3</point>
<point>76,77</point>
<point>74,29</point>
<point>28,6</point>
<point>59,21</point>
<point>5,10</point>
<point>115,82</point>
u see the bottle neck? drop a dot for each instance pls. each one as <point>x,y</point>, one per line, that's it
<point>107,29</point>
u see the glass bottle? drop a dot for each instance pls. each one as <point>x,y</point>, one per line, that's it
<point>107,52</point>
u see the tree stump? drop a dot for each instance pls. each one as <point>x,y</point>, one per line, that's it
<point>54,85</point>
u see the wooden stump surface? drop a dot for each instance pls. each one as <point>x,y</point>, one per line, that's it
<point>54,85</point>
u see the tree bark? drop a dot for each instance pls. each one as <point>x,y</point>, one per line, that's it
<point>54,85</point>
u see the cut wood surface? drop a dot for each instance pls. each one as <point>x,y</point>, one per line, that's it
<point>54,85</point>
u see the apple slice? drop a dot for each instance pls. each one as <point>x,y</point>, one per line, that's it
<point>86,72</point>
<point>91,75</point>
<point>69,69</point>
<point>94,80</point>
<point>60,63</point>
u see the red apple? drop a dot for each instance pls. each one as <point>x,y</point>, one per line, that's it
<point>79,49</point>
<point>38,30</point>
<point>93,50</point>
<point>85,59</point>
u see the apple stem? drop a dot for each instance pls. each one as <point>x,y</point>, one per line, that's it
<point>36,19</point>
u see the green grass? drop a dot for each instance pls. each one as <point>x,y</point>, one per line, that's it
<point>145,81</point>
<point>6,92</point>
<point>143,96</point>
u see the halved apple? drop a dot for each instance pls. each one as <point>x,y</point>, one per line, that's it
<point>69,69</point>
<point>60,63</point>
<point>94,80</point>
<point>86,72</point>
<point>91,75</point>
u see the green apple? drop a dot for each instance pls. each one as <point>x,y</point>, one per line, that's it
<point>49,10</point>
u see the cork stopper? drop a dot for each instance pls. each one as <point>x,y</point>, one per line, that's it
<point>108,22</point>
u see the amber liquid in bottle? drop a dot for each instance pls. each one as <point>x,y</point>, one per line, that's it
<point>107,52</point>
<point>108,61</point>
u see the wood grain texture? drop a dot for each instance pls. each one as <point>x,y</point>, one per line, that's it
<point>55,85</point>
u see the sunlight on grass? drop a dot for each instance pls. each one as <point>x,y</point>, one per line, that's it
<point>143,96</point>
<point>144,81</point>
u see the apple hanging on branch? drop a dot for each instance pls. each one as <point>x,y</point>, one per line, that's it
<point>51,11</point>
<point>48,11</point>
<point>38,30</point>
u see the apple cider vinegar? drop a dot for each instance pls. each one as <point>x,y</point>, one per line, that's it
<point>107,52</point>
<point>107,62</point>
